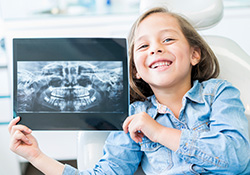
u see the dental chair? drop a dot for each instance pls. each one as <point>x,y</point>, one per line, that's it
<point>234,64</point>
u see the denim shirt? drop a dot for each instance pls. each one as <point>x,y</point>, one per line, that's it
<point>214,137</point>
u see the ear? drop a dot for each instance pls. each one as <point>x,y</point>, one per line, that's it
<point>196,56</point>
<point>137,75</point>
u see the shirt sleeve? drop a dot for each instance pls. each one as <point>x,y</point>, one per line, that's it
<point>122,155</point>
<point>225,147</point>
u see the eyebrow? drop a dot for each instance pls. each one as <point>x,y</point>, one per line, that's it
<point>162,31</point>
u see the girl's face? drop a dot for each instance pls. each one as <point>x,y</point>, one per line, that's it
<point>162,55</point>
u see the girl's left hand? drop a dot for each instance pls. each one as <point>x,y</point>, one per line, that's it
<point>140,125</point>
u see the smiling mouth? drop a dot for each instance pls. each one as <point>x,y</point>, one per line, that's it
<point>160,64</point>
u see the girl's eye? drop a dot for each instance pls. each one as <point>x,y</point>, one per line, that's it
<point>168,40</point>
<point>142,47</point>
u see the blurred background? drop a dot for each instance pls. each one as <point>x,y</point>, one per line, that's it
<point>78,18</point>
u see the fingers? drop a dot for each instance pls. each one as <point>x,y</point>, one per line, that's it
<point>12,123</point>
<point>126,123</point>
<point>18,132</point>
<point>134,128</point>
<point>13,127</point>
<point>140,125</point>
<point>24,129</point>
<point>137,136</point>
<point>130,125</point>
<point>20,136</point>
<point>133,119</point>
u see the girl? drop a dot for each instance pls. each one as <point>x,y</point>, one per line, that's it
<point>182,120</point>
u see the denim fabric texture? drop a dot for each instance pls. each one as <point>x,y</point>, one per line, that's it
<point>214,137</point>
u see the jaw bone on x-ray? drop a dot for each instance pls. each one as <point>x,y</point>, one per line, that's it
<point>69,86</point>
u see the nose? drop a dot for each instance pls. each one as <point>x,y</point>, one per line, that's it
<point>156,49</point>
<point>70,76</point>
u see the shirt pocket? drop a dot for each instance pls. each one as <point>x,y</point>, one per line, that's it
<point>156,155</point>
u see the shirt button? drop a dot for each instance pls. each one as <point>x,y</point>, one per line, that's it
<point>183,127</point>
<point>154,145</point>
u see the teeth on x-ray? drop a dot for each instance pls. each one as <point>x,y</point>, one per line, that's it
<point>80,92</point>
<point>93,99</point>
<point>62,93</point>
<point>68,86</point>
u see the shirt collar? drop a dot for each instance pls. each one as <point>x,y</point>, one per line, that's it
<point>161,109</point>
<point>194,94</point>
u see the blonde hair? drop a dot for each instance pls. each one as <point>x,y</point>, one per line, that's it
<point>207,68</point>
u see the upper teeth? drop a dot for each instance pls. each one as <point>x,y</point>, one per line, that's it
<point>157,64</point>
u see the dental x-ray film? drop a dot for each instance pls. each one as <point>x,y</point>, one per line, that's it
<point>70,83</point>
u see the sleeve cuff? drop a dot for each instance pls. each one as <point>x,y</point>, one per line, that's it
<point>187,142</point>
<point>69,170</point>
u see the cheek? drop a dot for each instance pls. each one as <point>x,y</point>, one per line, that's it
<point>138,64</point>
<point>183,56</point>
<point>140,59</point>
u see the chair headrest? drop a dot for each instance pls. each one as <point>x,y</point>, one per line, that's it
<point>201,14</point>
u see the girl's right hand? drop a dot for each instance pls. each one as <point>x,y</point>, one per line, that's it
<point>22,142</point>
